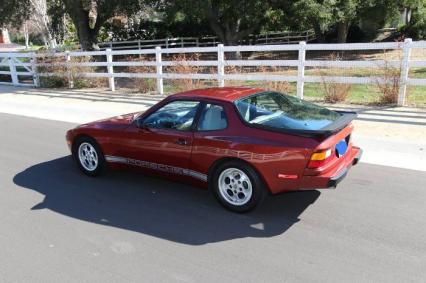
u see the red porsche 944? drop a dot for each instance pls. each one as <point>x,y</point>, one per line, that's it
<point>241,143</point>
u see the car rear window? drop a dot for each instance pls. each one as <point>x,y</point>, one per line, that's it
<point>280,111</point>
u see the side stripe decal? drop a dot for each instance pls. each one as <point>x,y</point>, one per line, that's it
<point>157,166</point>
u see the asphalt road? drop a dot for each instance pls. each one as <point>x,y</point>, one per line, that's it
<point>58,225</point>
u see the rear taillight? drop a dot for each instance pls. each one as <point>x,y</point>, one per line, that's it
<point>320,158</point>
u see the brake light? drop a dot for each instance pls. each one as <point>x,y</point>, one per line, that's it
<point>320,158</point>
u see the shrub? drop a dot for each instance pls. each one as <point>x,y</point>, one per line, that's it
<point>389,89</point>
<point>280,86</point>
<point>182,67</point>
<point>52,64</point>
<point>389,84</point>
<point>65,74</point>
<point>143,85</point>
<point>53,82</point>
<point>333,92</point>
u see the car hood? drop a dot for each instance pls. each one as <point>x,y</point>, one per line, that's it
<point>121,121</point>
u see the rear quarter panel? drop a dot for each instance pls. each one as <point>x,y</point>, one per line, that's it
<point>270,153</point>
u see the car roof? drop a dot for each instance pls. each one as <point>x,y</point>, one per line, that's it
<point>229,94</point>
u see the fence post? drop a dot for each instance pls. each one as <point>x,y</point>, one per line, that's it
<point>110,69</point>
<point>68,67</point>
<point>406,50</point>
<point>36,78</point>
<point>220,65</point>
<point>13,73</point>
<point>159,69</point>
<point>301,69</point>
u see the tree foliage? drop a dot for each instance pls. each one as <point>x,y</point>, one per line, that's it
<point>307,14</point>
<point>13,12</point>
<point>416,28</point>
<point>88,16</point>
<point>58,20</point>
<point>230,20</point>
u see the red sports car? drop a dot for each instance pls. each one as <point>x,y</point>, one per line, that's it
<point>241,143</point>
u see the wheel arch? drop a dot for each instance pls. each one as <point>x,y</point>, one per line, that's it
<point>83,135</point>
<point>223,160</point>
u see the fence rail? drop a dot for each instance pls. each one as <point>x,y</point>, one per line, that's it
<point>29,62</point>
<point>286,37</point>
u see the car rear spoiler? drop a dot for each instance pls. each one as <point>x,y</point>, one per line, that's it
<point>340,123</point>
<point>336,126</point>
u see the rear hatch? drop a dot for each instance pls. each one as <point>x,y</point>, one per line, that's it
<point>284,113</point>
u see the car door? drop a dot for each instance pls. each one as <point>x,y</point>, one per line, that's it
<point>162,141</point>
<point>210,137</point>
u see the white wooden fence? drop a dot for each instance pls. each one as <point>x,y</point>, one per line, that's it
<point>29,62</point>
<point>13,61</point>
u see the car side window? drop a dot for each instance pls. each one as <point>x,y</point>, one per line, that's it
<point>212,118</point>
<point>176,115</point>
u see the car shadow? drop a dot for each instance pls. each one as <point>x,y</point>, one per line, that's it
<point>156,207</point>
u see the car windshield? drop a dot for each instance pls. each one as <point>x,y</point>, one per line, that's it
<point>276,110</point>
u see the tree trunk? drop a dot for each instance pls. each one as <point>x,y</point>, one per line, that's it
<point>319,34</point>
<point>87,36</point>
<point>45,41</point>
<point>26,36</point>
<point>231,38</point>
<point>342,31</point>
<point>27,40</point>
<point>227,37</point>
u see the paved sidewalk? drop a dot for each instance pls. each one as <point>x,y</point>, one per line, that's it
<point>390,136</point>
<point>76,106</point>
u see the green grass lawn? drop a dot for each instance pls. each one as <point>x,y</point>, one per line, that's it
<point>32,48</point>
<point>416,96</point>
<point>368,94</point>
<point>358,94</point>
<point>419,73</point>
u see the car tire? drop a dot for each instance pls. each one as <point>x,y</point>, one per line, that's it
<point>89,157</point>
<point>237,186</point>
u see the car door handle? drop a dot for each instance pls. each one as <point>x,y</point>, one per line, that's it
<point>182,142</point>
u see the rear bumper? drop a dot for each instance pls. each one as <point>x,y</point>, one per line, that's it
<point>336,179</point>
<point>331,178</point>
